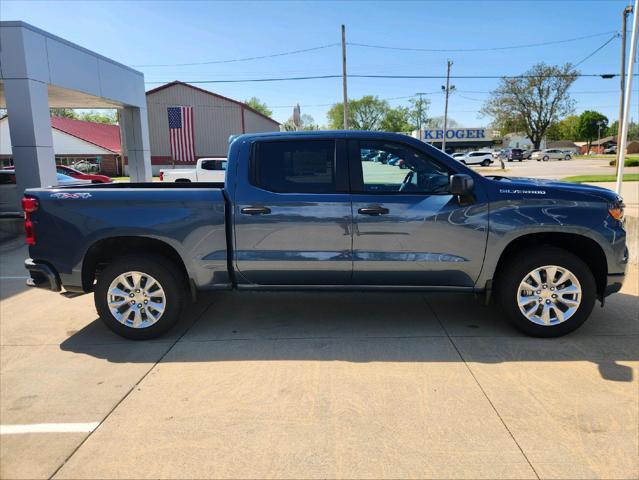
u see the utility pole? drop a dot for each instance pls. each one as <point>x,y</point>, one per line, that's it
<point>344,77</point>
<point>624,16</point>
<point>447,89</point>
<point>599,125</point>
<point>623,135</point>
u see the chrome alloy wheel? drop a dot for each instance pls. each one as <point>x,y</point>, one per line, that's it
<point>549,295</point>
<point>136,299</point>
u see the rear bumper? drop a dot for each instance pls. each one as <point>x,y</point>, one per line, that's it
<point>42,276</point>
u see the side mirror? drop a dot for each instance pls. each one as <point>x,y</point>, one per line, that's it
<point>461,184</point>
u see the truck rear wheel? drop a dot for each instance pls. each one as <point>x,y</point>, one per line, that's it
<point>139,297</point>
<point>546,292</point>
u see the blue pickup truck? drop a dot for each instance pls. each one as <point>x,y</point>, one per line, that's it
<point>314,211</point>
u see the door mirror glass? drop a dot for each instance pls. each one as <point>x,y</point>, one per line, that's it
<point>461,184</point>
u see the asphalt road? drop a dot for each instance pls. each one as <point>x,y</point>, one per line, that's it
<point>553,169</point>
<point>301,385</point>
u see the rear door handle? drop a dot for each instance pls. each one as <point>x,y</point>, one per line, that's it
<point>255,211</point>
<point>373,211</point>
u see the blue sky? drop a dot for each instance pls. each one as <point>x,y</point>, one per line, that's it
<point>147,32</point>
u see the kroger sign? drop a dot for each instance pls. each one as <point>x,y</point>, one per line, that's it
<point>456,134</point>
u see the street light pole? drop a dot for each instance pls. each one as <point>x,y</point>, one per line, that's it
<point>447,91</point>
<point>624,15</point>
<point>344,77</point>
<point>623,136</point>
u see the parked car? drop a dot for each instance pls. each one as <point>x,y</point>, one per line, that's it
<point>8,176</point>
<point>299,211</point>
<point>206,170</point>
<point>458,156</point>
<point>610,149</point>
<point>515,154</point>
<point>528,153</point>
<point>551,154</point>
<point>478,158</point>
<point>73,173</point>
<point>92,177</point>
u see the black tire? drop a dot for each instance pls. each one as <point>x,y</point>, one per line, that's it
<point>567,157</point>
<point>485,163</point>
<point>546,158</point>
<point>165,273</point>
<point>517,268</point>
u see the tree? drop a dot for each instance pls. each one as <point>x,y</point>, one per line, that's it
<point>533,101</point>
<point>62,112</point>
<point>591,125</point>
<point>258,105</point>
<point>97,117</point>
<point>418,112</point>
<point>397,120</point>
<point>306,123</point>
<point>366,113</point>
<point>108,116</point>
<point>438,122</point>
<point>565,129</point>
<point>633,130</point>
<point>568,128</point>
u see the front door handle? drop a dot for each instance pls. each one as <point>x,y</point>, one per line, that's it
<point>255,211</point>
<point>375,211</point>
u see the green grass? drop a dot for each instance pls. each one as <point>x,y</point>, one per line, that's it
<point>605,156</point>
<point>628,177</point>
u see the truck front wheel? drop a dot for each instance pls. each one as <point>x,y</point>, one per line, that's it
<point>139,297</point>
<point>546,292</point>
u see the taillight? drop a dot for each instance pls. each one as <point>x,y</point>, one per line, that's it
<point>29,205</point>
<point>161,176</point>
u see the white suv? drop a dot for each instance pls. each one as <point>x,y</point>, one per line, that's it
<point>551,154</point>
<point>478,158</point>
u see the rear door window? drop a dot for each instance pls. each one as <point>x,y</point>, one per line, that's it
<point>214,165</point>
<point>306,166</point>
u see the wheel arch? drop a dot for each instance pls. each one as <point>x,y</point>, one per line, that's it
<point>585,248</point>
<point>103,251</point>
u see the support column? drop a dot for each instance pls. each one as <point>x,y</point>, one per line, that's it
<point>134,129</point>
<point>31,137</point>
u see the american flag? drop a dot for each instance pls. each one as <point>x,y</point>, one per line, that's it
<point>181,136</point>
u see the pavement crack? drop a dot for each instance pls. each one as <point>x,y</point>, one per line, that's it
<point>126,395</point>
<point>492,405</point>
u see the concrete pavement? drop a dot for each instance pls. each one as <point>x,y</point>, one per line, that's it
<point>290,385</point>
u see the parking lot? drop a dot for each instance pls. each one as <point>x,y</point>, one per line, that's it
<point>326,385</point>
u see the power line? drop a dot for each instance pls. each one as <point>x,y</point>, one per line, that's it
<point>396,77</point>
<point>485,49</point>
<point>234,60</point>
<point>365,45</point>
<point>616,35</point>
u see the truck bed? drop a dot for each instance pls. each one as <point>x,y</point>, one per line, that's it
<point>147,185</point>
<point>187,217</point>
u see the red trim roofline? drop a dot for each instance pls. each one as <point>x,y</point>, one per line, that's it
<point>241,104</point>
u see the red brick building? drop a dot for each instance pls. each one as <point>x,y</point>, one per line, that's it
<point>74,141</point>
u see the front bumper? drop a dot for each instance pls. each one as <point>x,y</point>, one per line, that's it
<point>613,283</point>
<point>42,276</point>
